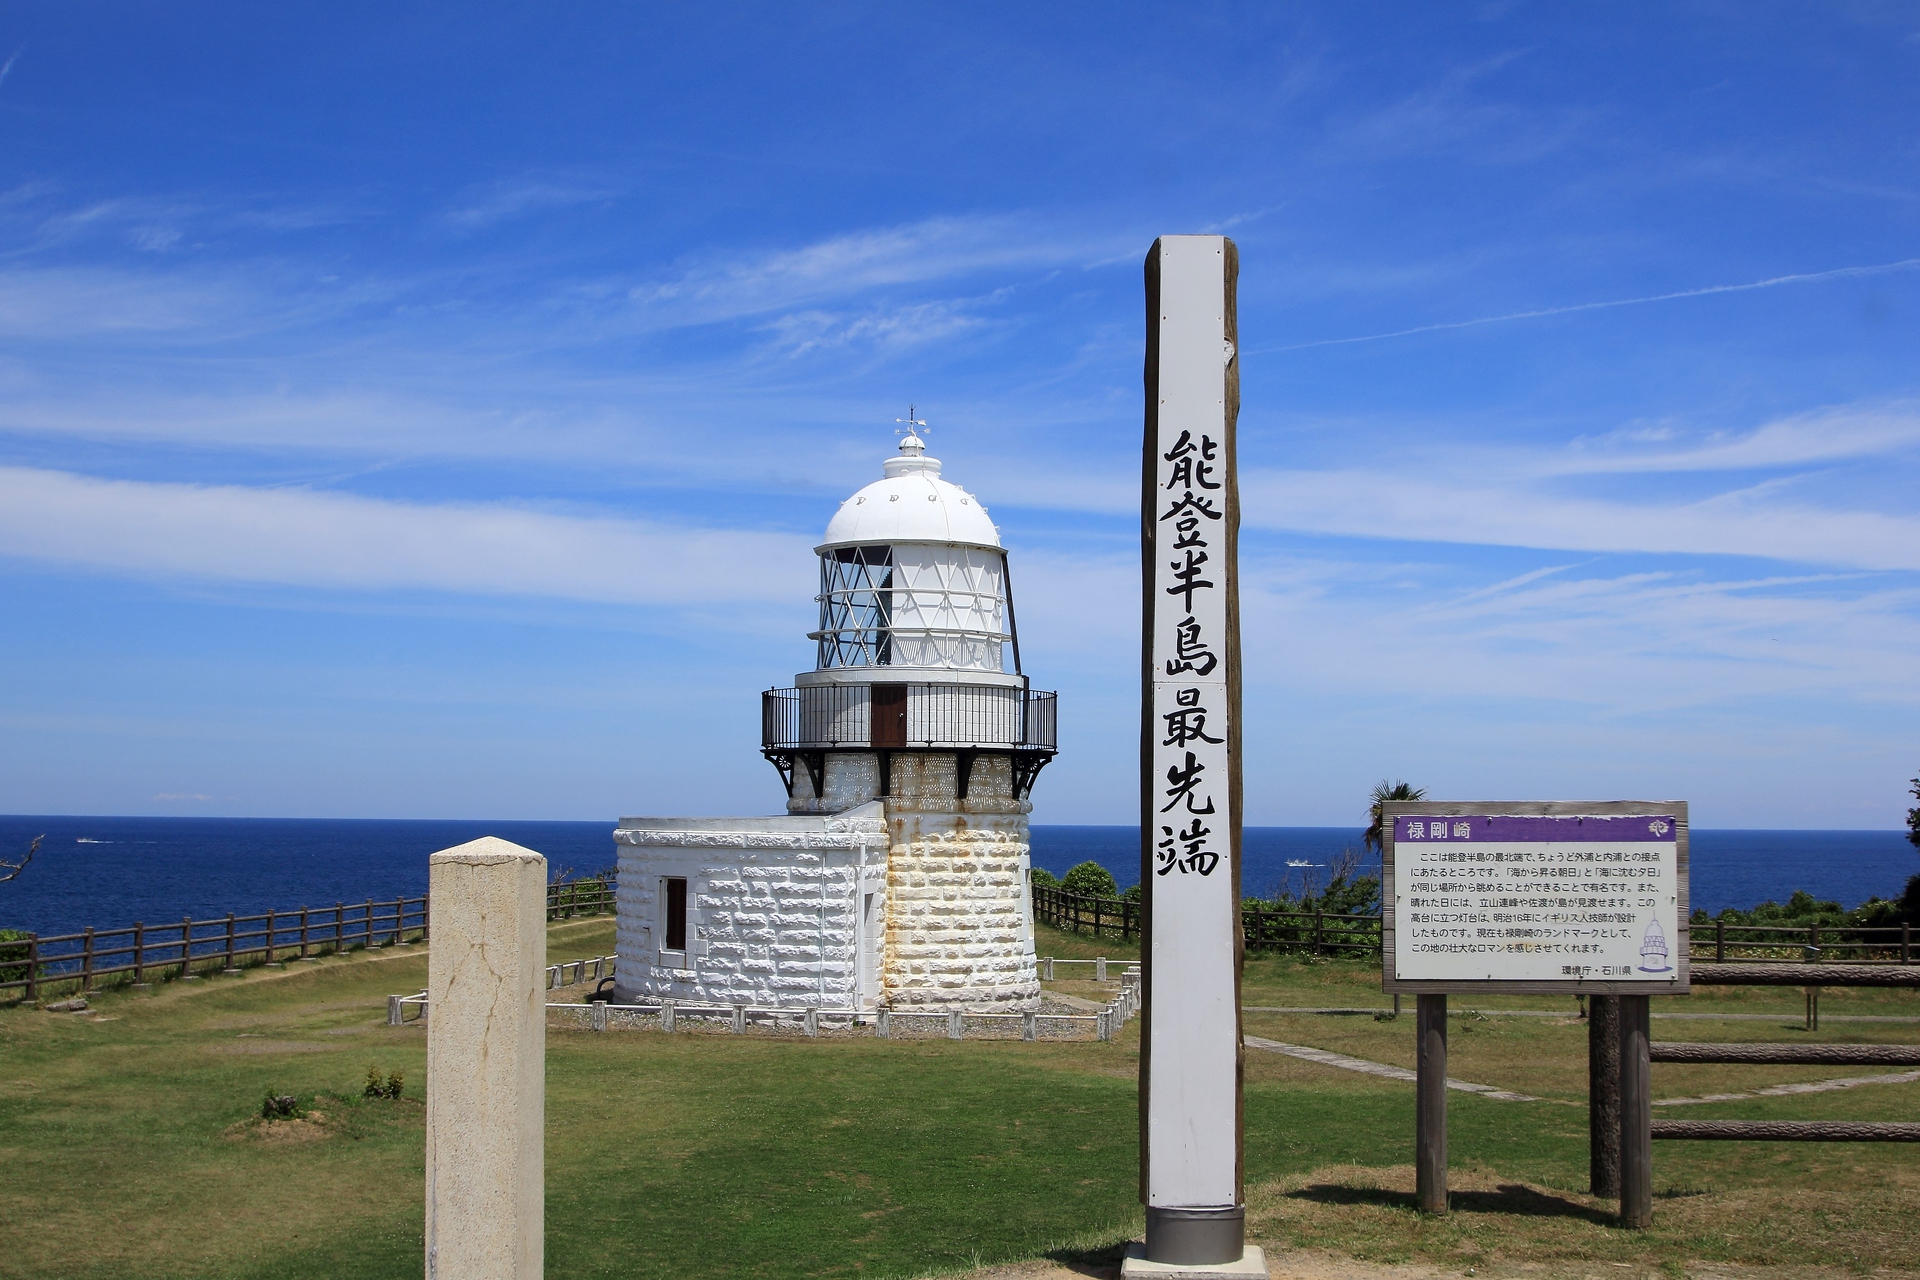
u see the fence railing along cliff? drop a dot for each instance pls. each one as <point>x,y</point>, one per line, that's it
<point>38,965</point>
<point>1272,927</point>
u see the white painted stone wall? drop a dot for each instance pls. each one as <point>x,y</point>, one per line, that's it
<point>919,899</point>
<point>783,912</point>
<point>849,778</point>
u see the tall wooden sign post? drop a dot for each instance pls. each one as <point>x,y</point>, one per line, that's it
<point>1190,1122</point>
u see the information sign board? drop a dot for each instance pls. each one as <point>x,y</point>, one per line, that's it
<point>1535,896</point>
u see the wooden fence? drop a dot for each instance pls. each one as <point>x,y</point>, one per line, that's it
<point>1275,928</point>
<point>37,966</point>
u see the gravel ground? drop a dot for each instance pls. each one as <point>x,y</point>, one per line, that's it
<point>901,1026</point>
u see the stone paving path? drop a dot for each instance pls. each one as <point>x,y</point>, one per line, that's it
<point>1808,1086</point>
<point>1327,1058</point>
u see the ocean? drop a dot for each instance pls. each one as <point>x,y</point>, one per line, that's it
<point>110,872</point>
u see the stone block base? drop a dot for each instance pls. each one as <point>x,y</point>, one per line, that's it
<point>1136,1267</point>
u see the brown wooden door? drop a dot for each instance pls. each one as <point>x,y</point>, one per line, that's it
<point>889,715</point>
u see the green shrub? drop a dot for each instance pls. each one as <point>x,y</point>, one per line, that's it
<point>375,1087</point>
<point>1091,880</point>
<point>1042,878</point>
<point>13,953</point>
<point>280,1106</point>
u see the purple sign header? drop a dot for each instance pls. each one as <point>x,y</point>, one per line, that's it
<point>1650,828</point>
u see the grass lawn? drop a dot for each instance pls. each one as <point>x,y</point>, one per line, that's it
<point>128,1150</point>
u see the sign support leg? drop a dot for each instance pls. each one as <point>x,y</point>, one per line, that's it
<point>1636,1113</point>
<point>1603,1096</point>
<point>1430,1104</point>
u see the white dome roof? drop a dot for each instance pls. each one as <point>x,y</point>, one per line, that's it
<point>913,504</point>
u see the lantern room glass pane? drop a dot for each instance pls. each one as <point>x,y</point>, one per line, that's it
<point>912,605</point>
<point>856,606</point>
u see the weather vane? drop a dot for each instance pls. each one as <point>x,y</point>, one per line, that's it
<point>912,422</point>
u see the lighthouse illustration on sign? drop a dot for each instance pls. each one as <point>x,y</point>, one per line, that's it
<point>1653,950</point>
<point>897,876</point>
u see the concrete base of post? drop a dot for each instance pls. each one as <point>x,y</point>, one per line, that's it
<point>1251,1262</point>
<point>139,986</point>
<point>486,1061</point>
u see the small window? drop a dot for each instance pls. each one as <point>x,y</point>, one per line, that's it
<point>676,915</point>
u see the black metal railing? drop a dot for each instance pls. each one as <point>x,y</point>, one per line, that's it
<point>828,716</point>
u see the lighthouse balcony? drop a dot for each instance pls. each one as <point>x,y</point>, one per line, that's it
<point>910,715</point>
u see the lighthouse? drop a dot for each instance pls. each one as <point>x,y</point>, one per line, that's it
<point>908,754</point>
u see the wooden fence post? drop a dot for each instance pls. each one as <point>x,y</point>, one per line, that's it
<point>303,933</point>
<point>399,921</point>
<point>1906,939</point>
<point>186,947</point>
<point>369,942</point>
<point>339,927</point>
<point>230,965</point>
<point>1430,1104</point>
<point>33,966</point>
<point>86,961</point>
<point>1603,1096</point>
<point>139,954</point>
<point>1719,941</point>
<point>1636,1113</point>
<point>1319,932</point>
<point>270,914</point>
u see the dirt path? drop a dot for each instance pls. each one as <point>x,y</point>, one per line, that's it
<point>1309,1264</point>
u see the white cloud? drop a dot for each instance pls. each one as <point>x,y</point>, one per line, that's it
<point>305,538</point>
<point>1440,508</point>
<point>1823,435</point>
<point>853,264</point>
<point>500,201</point>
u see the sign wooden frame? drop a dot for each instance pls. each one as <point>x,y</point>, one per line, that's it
<point>1680,954</point>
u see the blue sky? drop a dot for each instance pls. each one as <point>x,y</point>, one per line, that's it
<point>429,410</point>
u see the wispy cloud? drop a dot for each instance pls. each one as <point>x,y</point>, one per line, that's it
<point>7,69</point>
<point>1443,507</point>
<point>858,263</point>
<point>1772,282</point>
<point>495,202</point>
<point>1823,435</point>
<point>345,542</point>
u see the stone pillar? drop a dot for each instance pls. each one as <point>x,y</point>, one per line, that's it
<point>486,1060</point>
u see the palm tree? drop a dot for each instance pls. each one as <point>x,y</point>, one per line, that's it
<point>1384,791</point>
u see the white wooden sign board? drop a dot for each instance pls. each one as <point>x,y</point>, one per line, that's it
<point>1535,896</point>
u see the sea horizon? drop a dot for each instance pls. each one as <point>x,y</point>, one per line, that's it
<point>108,871</point>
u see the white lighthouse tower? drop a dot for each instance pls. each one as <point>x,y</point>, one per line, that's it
<point>899,874</point>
